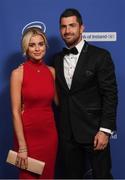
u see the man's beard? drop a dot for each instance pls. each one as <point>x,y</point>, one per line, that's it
<point>72,43</point>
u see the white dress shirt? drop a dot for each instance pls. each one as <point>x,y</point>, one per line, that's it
<point>70,62</point>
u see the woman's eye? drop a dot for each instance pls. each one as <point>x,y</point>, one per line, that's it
<point>31,45</point>
<point>42,44</point>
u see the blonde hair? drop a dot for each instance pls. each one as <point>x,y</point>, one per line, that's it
<point>27,36</point>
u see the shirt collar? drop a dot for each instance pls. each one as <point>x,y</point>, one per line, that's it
<point>80,45</point>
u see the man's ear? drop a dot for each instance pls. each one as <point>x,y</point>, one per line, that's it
<point>82,29</point>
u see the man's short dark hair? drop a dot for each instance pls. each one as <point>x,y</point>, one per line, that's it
<point>71,12</point>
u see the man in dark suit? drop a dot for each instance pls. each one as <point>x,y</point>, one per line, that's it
<point>87,91</point>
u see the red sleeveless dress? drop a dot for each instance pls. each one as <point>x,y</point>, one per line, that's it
<point>38,118</point>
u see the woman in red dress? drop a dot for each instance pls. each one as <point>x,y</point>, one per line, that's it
<point>33,86</point>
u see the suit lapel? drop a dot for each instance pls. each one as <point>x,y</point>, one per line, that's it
<point>61,73</point>
<point>80,65</point>
<point>78,69</point>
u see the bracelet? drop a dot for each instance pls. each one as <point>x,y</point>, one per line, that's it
<point>22,150</point>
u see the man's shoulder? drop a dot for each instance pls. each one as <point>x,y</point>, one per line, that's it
<point>97,49</point>
<point>58,54</point>
<point>57,57</point>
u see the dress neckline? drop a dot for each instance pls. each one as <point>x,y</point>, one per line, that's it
<point>35,63</point>
<point>36,66</point>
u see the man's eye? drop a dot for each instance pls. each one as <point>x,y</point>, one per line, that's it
<point>62,27</point>
<point>73,25</point>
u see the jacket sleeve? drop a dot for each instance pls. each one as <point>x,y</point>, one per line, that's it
<point>108,89</point>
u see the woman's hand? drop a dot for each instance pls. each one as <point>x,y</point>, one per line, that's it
<point>22,159</point>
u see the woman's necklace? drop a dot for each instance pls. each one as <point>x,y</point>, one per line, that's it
<point>38,70</point>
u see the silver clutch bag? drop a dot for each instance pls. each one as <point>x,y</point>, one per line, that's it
<point>34,165</point>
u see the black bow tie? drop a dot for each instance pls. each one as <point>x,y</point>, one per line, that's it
<point>70,51</point>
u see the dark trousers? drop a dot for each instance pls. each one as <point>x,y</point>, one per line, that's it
<point>74,155</point>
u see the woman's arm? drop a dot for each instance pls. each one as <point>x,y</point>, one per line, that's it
<point>15,90</point>
<point>56,100</point>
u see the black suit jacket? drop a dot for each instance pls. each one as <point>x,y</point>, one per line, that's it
<point>91,102</point>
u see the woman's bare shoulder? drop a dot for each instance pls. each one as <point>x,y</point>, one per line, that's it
<point>17,73</point>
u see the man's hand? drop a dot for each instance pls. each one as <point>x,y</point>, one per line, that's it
<point>101,140</point>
